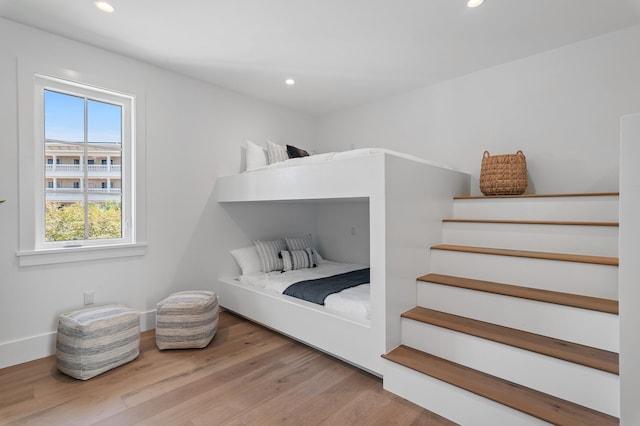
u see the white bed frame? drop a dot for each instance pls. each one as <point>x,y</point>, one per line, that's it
<point>407,201</point>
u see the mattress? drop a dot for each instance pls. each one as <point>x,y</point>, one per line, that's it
<point>345,155</point>
<point>353,302</point>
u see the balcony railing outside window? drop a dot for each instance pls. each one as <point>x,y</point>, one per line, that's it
<point>78,190</point>
<point>95,169</point>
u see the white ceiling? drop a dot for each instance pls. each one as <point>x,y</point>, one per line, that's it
<point>342,53</point>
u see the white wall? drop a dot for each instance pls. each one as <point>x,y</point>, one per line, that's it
<point>562,108</point>
<point>194,134</point>
<point>343,231</point>
<point>629,270</point>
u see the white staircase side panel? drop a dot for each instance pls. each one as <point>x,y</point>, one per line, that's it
<point>582,326</point>
<point>590,240</point>
<point>567,277</point>
<point>456,404</point>
<point>582,208</point>
<point>582,385</point>
<point>630,268</point>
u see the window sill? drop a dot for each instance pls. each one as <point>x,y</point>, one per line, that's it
<point>79,254</point>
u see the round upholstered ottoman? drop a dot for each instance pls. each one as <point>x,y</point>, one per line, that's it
<point>94,340</point>
<point>187,319</point>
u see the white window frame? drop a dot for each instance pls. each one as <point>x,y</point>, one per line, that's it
<point>33,79</point>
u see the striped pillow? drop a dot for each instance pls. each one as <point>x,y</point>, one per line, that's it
<point>299,243</point>
<point>269,253</point>
<point>276,152</point>
<point>298,259</point>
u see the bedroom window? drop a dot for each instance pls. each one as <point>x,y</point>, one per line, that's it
<point>79,121</point>
<point>74,209</point>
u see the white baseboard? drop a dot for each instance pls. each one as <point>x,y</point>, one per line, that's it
<point>18,351</point>
<point>22,350</point>
<point>147,320</point>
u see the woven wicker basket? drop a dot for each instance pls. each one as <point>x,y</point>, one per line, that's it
<point>503,174</point>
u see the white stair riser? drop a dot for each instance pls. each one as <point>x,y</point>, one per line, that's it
<point>567,277</point>
<point>573,382</point>
<point>457,405</point>
<point>591,240</point>
<point>601,209</point>
<point>582,326</point>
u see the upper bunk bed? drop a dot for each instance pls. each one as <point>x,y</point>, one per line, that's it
<point>407,199</point>
<point>348,174</point>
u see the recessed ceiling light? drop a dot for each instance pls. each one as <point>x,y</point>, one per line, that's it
<point>474,3</point>
<point>289,82</point>
<point>104,6</point>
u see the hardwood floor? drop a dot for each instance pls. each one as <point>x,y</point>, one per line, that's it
<point>248,375</point>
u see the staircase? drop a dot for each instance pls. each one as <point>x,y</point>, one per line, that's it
<point>517,323</point>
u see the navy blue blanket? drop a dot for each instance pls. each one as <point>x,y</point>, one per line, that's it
<point>318,289</point>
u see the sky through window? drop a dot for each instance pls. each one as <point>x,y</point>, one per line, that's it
<point>64,119</point>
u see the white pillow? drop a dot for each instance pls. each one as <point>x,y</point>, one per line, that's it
<point>256,156</point>
<point>247,259</point>
<point>276,152</point>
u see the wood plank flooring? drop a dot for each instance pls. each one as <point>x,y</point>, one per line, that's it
<point>248,375</point>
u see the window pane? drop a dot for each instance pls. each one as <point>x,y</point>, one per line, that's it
<point>64,221</point>
<point>105,219</point>
<point>104,122</point>
<point>63,117</point>
<point>105,172</point>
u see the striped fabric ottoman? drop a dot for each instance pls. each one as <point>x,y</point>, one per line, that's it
<point>187,319</point>
<point>94,340</point>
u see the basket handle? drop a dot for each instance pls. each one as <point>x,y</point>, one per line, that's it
<point>520,153</point>
<point>486,154</point>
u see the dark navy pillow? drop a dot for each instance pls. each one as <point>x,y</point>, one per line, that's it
<point>295,152</point>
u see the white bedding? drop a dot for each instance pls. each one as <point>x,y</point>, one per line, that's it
<point>355,153</point>
<point>352,302</point>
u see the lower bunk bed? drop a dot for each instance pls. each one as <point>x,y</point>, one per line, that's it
<point>341,326</point>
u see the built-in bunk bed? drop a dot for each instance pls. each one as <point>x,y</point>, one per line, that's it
<point>405,198</point>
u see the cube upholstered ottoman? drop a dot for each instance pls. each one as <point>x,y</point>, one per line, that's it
<point>94,340</point>
<point>187,319</point>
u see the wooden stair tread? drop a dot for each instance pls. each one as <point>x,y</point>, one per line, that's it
<point>533,222</point>
<point>548,296</point>
<point>567,257</point>
<point>486,197</point>
<point>529,401</point>
<point>561,349</point>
